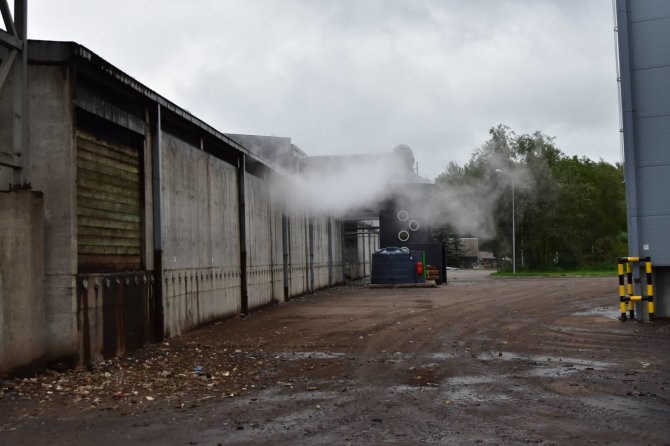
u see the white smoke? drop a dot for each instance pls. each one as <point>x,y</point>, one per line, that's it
<point>339,186</point>
<point>470,206</point>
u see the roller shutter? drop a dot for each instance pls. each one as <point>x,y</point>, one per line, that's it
<point>109,209</point>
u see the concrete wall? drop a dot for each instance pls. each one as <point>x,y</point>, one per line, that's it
<point>86,316</point>
<point>22,309</point>
<point>52,171</point>
<point>320,249</point>
<point>201,255</point>
<point>264,244</point>
<point>298,254</point>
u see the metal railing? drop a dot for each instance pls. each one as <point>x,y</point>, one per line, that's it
<point>627,296</point>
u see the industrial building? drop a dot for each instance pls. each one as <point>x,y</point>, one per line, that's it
<point>643,33</point>
<point>126,219</point>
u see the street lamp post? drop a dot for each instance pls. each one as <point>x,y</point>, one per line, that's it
<point>513,223</point>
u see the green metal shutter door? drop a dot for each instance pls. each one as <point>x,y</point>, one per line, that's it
<point>109,208</point>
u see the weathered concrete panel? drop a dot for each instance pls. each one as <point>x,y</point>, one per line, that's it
<point>321,258</point>
<point>22,309</point>
<point>338,264</point>
<point>61,314</point>
<point>261,242</point>
<point>298,255</point>
<point>116,313</point>
<point>277,251</point>
<point>201,256</point>
<point>53,172</point>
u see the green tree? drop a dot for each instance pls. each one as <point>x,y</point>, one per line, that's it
<point>570,211</point>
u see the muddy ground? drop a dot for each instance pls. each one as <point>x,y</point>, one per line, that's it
<point>478,361</point>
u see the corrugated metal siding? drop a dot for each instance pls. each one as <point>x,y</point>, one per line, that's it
<point>109,208</point>
<point>649,40</point>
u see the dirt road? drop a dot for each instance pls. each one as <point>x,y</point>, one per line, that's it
<point>478,361</point>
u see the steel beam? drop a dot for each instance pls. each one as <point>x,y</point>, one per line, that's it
<point>10,41</point>
<point>6,66</point>
<point>15,39</point>
<point>21,148</point>
<point>7,17</point>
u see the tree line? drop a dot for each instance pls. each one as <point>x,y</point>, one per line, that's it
<point>570,211</point>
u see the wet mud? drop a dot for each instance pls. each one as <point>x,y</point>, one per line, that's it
<point>478,361</point>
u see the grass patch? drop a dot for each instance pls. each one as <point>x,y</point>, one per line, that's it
<point>599,273</point>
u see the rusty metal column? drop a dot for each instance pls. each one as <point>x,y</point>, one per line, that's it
<point>241,199</point>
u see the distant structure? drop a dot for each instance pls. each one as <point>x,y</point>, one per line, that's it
<point>643,29</point>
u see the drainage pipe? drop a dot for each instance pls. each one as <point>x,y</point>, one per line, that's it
<point>241,172</point>
<point>156,161</point>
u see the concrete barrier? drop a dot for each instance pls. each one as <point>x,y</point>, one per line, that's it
<point>22,310</point>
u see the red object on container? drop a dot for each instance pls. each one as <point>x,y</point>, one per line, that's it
<point>419,268</point>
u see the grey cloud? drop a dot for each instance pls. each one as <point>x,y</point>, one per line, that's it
<point>363,76</point>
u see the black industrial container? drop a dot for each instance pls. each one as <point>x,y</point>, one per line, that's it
<point>396,265</point>
<point>434,257</point>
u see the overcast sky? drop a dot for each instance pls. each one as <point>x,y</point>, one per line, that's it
<point>362,76</point>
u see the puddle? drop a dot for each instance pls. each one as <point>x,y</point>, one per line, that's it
<point>474,379</point>
<point>552,372</point>
<point>465,394</point>
<point>310,355</point>
<point>404,388</point>
<point>439,356</point>
<point>608,312</point>
<point>557,361</point>
<point>430,365</point>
